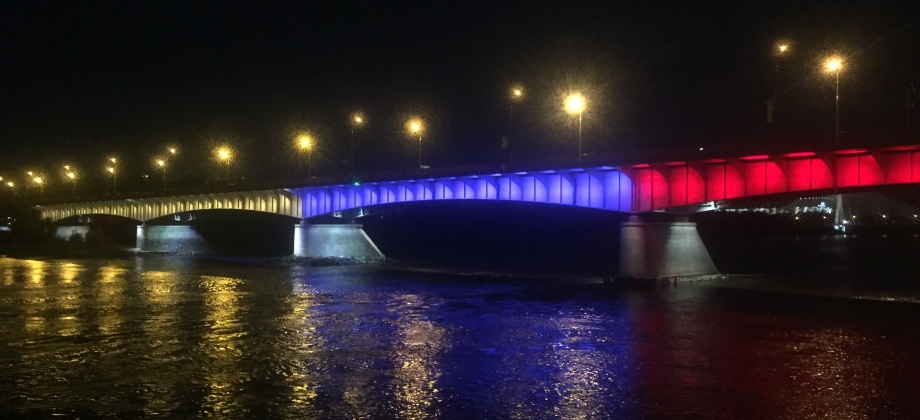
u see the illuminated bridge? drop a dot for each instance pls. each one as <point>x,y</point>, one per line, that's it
<point>625,188</point>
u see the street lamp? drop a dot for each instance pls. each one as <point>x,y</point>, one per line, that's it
<point>305,144</point>
<point>112,169</point>
<point>73,180</point>
<point>834,65</point>
<point>415,127</point>
<point>41,184</point>
<point>781,50</point>
<point>575,105</point>
<point>356,121</point>
<point>162,164</point>
<point>517,94</point>
<point>224,155</point>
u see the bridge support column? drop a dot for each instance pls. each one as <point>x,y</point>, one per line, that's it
<point>170,239</point>
<point>661,250</point>
<point>347,240</point>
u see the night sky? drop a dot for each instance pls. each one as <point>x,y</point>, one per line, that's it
<point>80,81</point>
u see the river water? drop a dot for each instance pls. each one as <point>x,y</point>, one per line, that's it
<point>176,337</point>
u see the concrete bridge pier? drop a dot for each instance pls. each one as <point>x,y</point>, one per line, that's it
<point>340,240</point>
<point>181,238</point>
<point>661,250</point>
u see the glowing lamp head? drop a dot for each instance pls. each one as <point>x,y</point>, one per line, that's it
<point>305,142</point>
<point>414,126</point>
<point>575,103</point>
<point>833,65</point>
<point>517,92</point>
<point>71,175</point>
<point>783,48</point>
<point>223,154</point>
<point>161,163</point>
<point>10,184</point>
<point>66,167</point>
<point>113,160</point>
<point>357,119</point>
<point>38,180</point>
<point>172,150</point>
<point>29,173</point>
<point>110,169</point>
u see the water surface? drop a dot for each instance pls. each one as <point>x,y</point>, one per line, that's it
<point>172,337</point>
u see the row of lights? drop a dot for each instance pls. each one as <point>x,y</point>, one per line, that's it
<point>574,104</point>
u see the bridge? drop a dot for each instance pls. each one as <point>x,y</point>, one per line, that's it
<point>634,188</point>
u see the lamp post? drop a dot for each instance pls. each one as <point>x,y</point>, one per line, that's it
<point>415,127</point>
<point>224,155</point>
<point>305,144</point>
<point>356,121</point>
<point>517,93</point>
<point>113,170</point>
<point>575,105</point>
<point>41,185</point>
<point>73,180</point>
<point>781,50</point>
<point>162,164</point>
<point>834,65</point>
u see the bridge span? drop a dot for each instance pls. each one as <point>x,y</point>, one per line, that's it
<point>635,188</point>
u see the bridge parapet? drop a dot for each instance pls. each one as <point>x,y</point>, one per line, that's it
<point>674,184</point>
<point>598,187</point>
<point>143,209</point>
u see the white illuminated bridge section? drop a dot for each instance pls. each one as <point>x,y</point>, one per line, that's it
<point>599,187</point>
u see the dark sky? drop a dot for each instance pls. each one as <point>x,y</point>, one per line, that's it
<point>82,80</point>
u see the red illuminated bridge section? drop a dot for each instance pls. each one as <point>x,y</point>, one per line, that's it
<point>680,183</point>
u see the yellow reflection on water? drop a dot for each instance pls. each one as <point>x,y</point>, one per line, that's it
<point>221,344</point>
<point>109,293</point>
<point>35,272</point>
<point>8,276</point>
<point>416,356</point>
<point>304,342</point>
<point>69,271</point>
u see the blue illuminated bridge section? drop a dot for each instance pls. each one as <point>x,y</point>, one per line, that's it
<point>601,187</point>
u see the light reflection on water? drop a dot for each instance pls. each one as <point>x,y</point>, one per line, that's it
<point>171,337</point>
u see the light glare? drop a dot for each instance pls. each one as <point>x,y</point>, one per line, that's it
<point>575,103</point>
<point>414,126</point>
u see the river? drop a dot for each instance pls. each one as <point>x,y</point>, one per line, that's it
<point>822,336</point>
